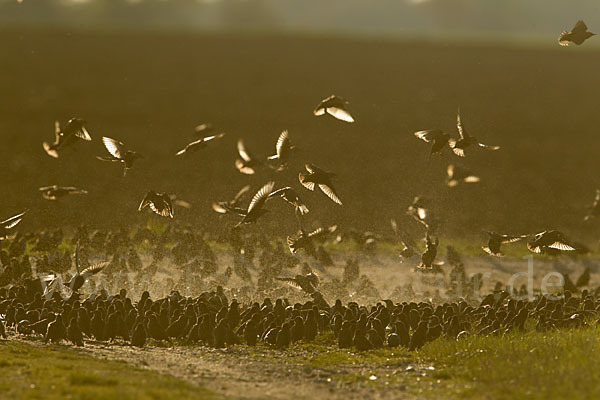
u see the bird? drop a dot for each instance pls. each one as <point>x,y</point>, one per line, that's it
<point>255,209</point>
<point>549,240</point>
<point>578,35</point>
<point>119,153</point>
<point>203,128</point>
<point>291,196</point>
<point>160,203</point>
<point>421,214</point>
<point>307,282</point>
<point>8,224</point>
<point>438,139</point>
<point>198,144</point>
<point>247,163</point>
<point>283,150</point>
<point>55,192</point>
<point>594,208</point>
<point>224,207</point>
<point>496,239</point>
<point>465,140</point>
<point>80,277</point>
<point>305,241</point>
<point>457,174</point>
<point>317,176</point>
<point>407,250</point>
<point>334,106</point>
<point>428,257</point>
<point>73,130</point>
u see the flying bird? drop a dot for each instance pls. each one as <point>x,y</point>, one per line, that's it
<point>73,130</point>
<point>458,174</point>
<point>422,214</point>
<point>231,206</point>
<point>334,106</point>
<point>317,176</point>
<point>256,210</point>
<point>546,240</point>
<point>198,144</point>
<point>595,207</point>
<point>247,163</point>
<point>119,153</point>
<point>578,35</point>
<point>55,192</point>
<point>496,240</point>
<point>407,249</point>
<point>8,224</point>
<point>291,196</point>
<point>160,203</point>
<point>465,140</point>
<point>438,139</point>
<point>283,149</point>
<point>306,240</point>
<point>307,283</point>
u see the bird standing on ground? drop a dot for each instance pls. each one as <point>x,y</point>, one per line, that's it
<point>319,177</point>
<point>198,144</point>
<point>68,135</point>
<point>55,192</point>
<point>119,153</point>
<point>334,106</point>
<point>465,140</point>
<point>578,35</point>
<point>496,239</point>
<point>8,224</point>
<point>160,203</point>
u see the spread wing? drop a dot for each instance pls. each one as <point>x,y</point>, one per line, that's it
<point>429,135</point>
<point>243,168</point>
<point>330,192</point>
<point>189,146</point>
<point>561,246</point>
<point>114,147</point>
<point>12,221</point>
<point>94,269</point>
<point>579,27</point>
<point>261,196</point>
<point>213,137</point>
<point>246,156</point>
<point>241,194</point>
<point>340,113</point>
<point>459,126</point>
<point>488,147</point>
<point>82,133</point>
<point>307,184</point>
<point>283,143</point>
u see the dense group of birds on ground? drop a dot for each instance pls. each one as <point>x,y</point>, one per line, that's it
<point>31,306</point>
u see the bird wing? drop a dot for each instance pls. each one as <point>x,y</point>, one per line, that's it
<point>94,269</point>
<point>114,147</point>
<point>340,113</point>
<point>240,194</point>
<point>219,208</point>
<point>307,184</point>
<point>168,210</point>
<point>57,131</point>
<point>458,150</point>
<point>563,38</point>
<point>279,192</point>
<point>82,133</point>
<point>317,233</point>
<point>535,249</point>
<point>579,27</point>
<point>246,156</point>
<point>491,253</point>
<point>512,239</point>
<point>561,246</point>
<point>471,179</point>
<point>429,135</point>
<point>261,196</point>
<point>209,138</point>
<point>488,147</point>
<point>243,168</point>
<point>46,188</point>
<point>290,281</point>
<point>330,192</point>
<point>283,143</point>
<point>49,150</point>
<point>188,146</point>
<point>12,221</point>
<point>203,127</point>
<point>459,126</point>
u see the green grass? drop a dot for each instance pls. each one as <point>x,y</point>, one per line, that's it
<point>32,372</point>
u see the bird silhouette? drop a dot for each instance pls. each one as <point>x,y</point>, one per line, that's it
<point>55,192</point>
<point>73,130</point>
<point>283,150</point>
<point>160,203</point>
<point>438,139</point>
<point>198,144</point>
<point>549,240</point>
<point>317,176</point>
<point>496,240</point>
<point>255,209</point>
<point>334,106</point>
<point>119,153</point>
<point>291,196</point>
<point>465,140</point>
<point>308,282</point>
<point>578,34</point>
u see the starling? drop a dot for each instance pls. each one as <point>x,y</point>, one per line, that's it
<point>74,334</point>
<point>307,283</point>
<point>465,140</point>
<point>317,176</point>
<point>56,330</point>
<point>283,336</point>
<point>457,174</point>
<point>546,240</point>
<point>283,150</point>
<point>496,239</point>
<point>438,139</point>
<point>255,209</point>
<point>138,338</point>
<point>334,106</point>
<point>421,214</point>
<point>79,278</point>
<point>119,153</point>
<point>305,241</point>
<point>8,224</point>
<point>198,144</point>
<point>55,192</point>
<point>224,207</point>
<point>291,196</point>
<point>578,35</point>
<point>428,257</point>
<point>247,163</point>
<point>74,130</point>
<point>418,338</point>
<point>160,203</point>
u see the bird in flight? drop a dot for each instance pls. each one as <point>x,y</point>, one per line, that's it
<point>119,153</point>
<point>231,206</point>
<point>496,240</point>
<point>247,163</point>
<point>317,176</point>
<point>334,106</point>
<point>458,174</point>
<point>307,283</point>
<point>55,192</point>
<point>198,144</point>
<point>422,214</point>
<point>283,149</point>
<point>407,250</point>
<point>465,140</point>
<point>546,240</point>
<point>291,196</point>
<point>73,130</point>
<point>160,203</point>
<point>438,139</point>
<point>306,240</point>
<point>595,207</point>
<point>578,35</point>
<point>8,224</point>
<point>255,209</point>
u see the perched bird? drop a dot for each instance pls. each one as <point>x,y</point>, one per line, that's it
<point>578,35</point>
<point>334,106</point>
<point>255,209</point>
<point>438,139</point>
<point>8,224</point>
<point>231,206</point>
<point>594,208</point>
<point>74,130</point>
<point>308,282</point>
<point>247,163</point>
<point>496,239</point>
<point>428,257</point>
<point>317,176</point>
<point>160,203</point>
<point>198,144</point>
<point>283,150</point>
<point>457,174</point>
<point>119,153</point>
<point>291,196</point>
<point>55,192</point>
<point>549,240</point>
<point>465,140</point>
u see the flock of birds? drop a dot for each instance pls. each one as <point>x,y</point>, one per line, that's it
<point>36,306</point>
